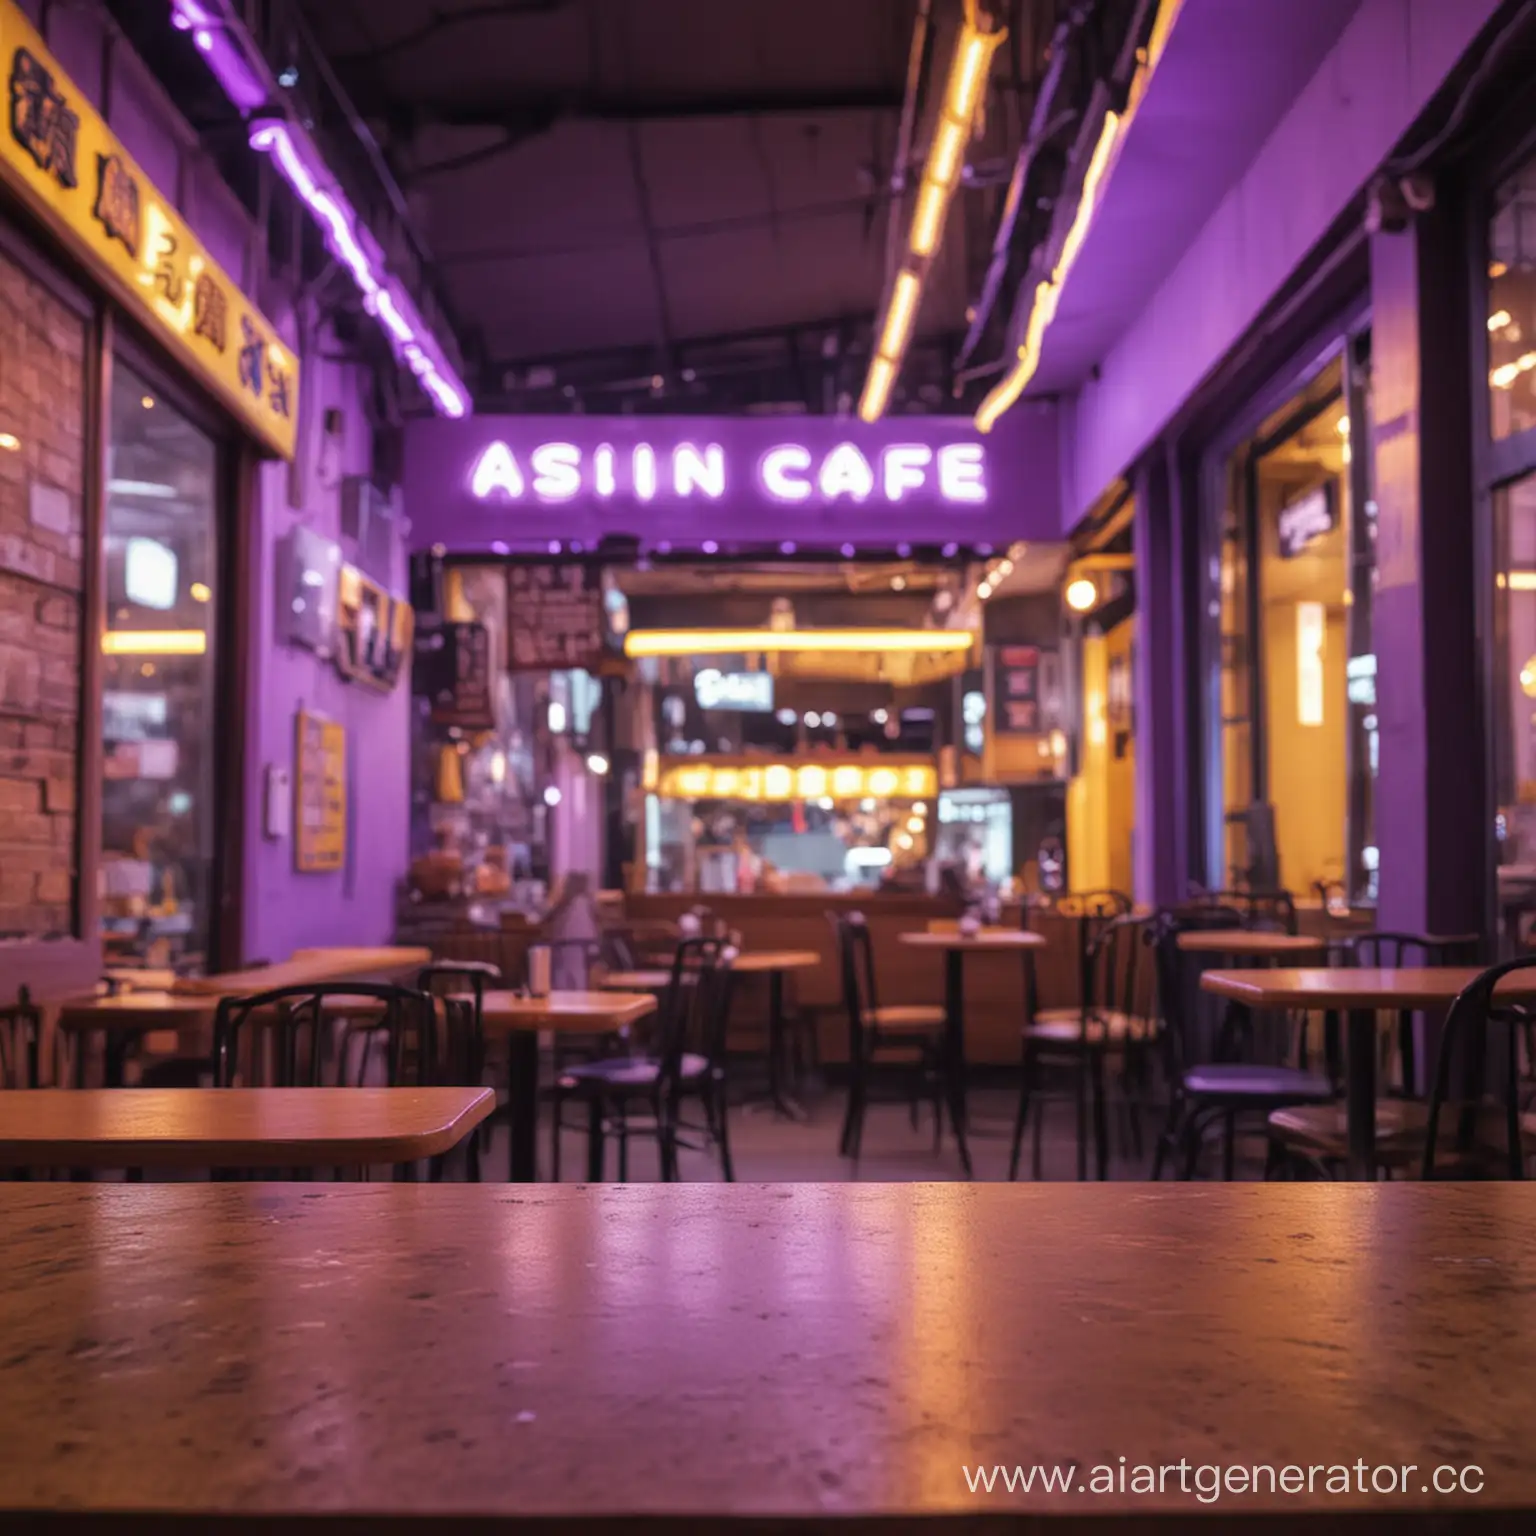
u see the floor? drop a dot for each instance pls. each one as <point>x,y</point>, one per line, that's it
<point>770,1149</point>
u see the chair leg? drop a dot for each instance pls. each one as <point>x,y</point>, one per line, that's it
<point>1100,1118</point>
<point>1194,1135</point>
<point>1037,1136</point>
<point>623,1133</point>
<point>1082,1116</point>
<point>1274,1160</point>
<point>1018,1122</point>
<point>595,1140</point>
<point>1228,1146</point>
<point>723,1135</point>
<point>1168,1141</point>
<point>853,1114</point>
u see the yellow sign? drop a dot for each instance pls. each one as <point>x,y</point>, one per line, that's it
<point>63,160</point>
<point>753,779</point>
<point>319,795</point>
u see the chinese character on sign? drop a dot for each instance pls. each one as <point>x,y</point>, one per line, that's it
<point>117,202</point>
<point>277,398</point>
<point>210,311</point>
<point>168,276</point>
<point>41,120</point>
<point>253,352</point>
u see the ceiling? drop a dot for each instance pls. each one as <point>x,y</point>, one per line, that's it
<point>616,191</point>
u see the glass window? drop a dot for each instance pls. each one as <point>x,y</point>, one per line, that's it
<point>1515,662</point>
<point>1297,699</point>
<point>1512,306</point>
<point>158,703</point>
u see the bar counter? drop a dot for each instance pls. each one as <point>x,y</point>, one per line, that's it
<point>704,1353</point>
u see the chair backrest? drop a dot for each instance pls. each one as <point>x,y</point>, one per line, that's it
<point>1113,971</point>
<point>21,1028</point>
<point>295,1037</point>
<point>1271,911</point>
<point>462,985</point>
<point>1172,976</point>
<point>1094,904</point>
<point>1388,951</point>
<point>856,952</point>
<point>1464,1047</point>
<point>695,1008</point>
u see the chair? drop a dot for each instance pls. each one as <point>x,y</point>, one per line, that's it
<point>464,1046</point>
<point>686,1061</point>
<point>1317,1135</point>
<point>1218,1092</point>
<point>1111,1017</point>
<point>21,1028</point>
<point>1266,911</point>
<point>904,1036</point>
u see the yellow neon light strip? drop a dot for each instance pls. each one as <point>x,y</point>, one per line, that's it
<point>941,175</point>
<point>695,779</point>
<point>1006,392</point>
<point>726,642</point>
<point>154,642</point>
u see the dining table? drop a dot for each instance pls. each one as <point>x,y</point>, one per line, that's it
<point>520,1019</point>
<point>955,943</point>
<point>1358,994</point>
<point>265,1128</point>
<point>769,1358</point>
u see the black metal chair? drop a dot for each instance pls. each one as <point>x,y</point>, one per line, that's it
<point>686,1061</point>
<point>905,1038</point>
<point>1112,1018</point>
<point>21,1030</point>
<point>462,985</point>
<point>1266,911</point>
<point>1207,1093</point>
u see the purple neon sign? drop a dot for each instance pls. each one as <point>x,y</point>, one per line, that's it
<point>786,472</point>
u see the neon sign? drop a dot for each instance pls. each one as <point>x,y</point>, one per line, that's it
<point>789,472</point>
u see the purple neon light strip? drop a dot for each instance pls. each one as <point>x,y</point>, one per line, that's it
<point>344,234</point>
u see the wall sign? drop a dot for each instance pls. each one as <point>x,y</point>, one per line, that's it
<point>693,778</point>
<point>319,795</point>
<point>1016,690</point>
<point>1307,518</point>
<point>749,692</point>
<point>555,618</point>
<point>453,671</point>
<point>61,157</point>
<point>373,631</point>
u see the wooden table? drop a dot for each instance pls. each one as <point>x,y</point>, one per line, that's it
<point>1243,943</point>
<point>520,1019</point>
<point>234,1127</point>
<point>1357,994</point>
<point>462,1357</point>
<point>956,946</point>
<point>192,1001</point>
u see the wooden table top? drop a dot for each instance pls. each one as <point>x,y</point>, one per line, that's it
<point>136,1011</point>
<point>1240,941</point>
<point>984,939</point>
<point>811,1351</point>
<point>308,966</point>
<point>1324,987</point>
<point>581,1013</point>
<point>751,962</point>
<point>234,1127</point>
<point>656,979</point>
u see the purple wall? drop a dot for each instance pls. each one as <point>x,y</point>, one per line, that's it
<point>286,910</point>
<point>1020,499</point>
<point>1380,75</point>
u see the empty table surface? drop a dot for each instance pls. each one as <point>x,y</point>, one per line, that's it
<point>984,939</point>
<point>1241,941</point>
<point>309,967</point>
<point>1342,987</point>
<point>234,1127</point>
<point>803,1352</point>
<point>572,1012</point>
<point>751,962</point>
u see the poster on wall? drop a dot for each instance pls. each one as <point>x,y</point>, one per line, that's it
<point>1016,690</point>
<point>453,672</point>
<point>373,631</point>
<point>319,794</point>
<point>554,617</point>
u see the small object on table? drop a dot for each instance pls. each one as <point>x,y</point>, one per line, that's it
<point>540,970</point>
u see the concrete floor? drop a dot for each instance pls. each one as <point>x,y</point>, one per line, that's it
<point>770,1149</point>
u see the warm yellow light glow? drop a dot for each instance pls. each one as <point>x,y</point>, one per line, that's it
<point>200,592</point>
<point>1505,376</point>
<point>1520,581</point>
<point>730,642</point>
<point>811,783</point>
<point>1497,269</point>
<point>847,782</point>
<point>899,317</point>
<point>914,824</point>
<point>1499,319</point>
<point>877,389</point>
<point>1081,594</point>
<point>650,768</point>
<point>1342,426</point>
<point>1528,678</point>
<point>154,642</point>
<point>904,841</point>
<point>778,782</point>
<point>9,441</point>
<point>883,782</point>
<point>752,781</point>
<point>963,93</point>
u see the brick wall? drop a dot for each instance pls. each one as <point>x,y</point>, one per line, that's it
<point>42,379</point>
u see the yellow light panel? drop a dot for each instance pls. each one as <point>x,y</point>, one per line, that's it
<point>154,642</point>
<point>731,642</point>
<point>898,318</point>
<point>877,389</point>
<point>847,782</point>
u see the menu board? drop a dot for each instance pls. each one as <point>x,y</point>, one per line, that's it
<point>453,671</point>
<point>1016,690</point>
<point>554,617</point>
<point>319,794</point>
